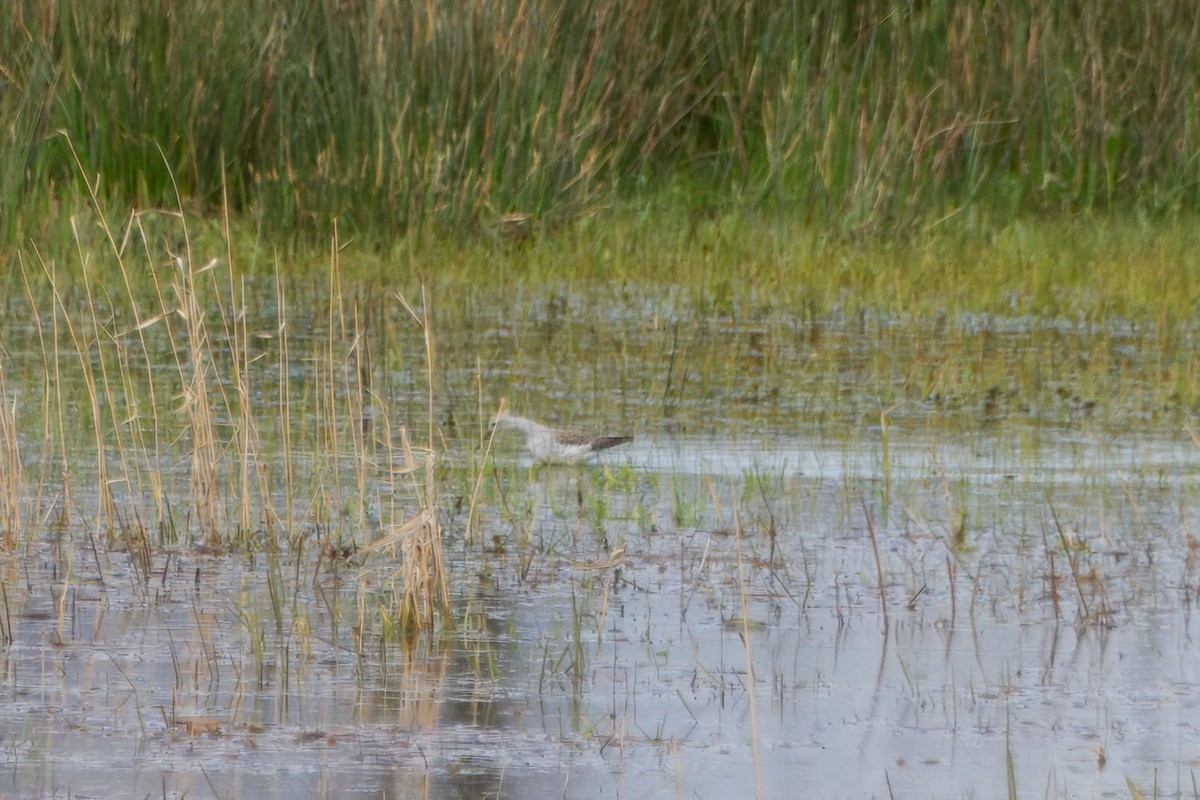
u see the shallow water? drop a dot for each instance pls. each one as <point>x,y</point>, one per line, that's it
<point>695,615</point>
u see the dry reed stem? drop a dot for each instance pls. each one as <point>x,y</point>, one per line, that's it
<point>478,482</point>
<point>12,470</point>
<point>1192,433</point>
<point>878,561</point>
<point>1070,551</point>
<point>422,570</point>
<point>426,586</point>
<point>106,512</point>
<point>739,534</point>
<point>197,402</point>
<point>283,402</point>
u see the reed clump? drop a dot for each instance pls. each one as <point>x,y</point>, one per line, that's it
<point>178,406</point>
<point>394,117</point>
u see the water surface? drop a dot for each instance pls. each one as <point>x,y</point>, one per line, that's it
<point>697,614</point>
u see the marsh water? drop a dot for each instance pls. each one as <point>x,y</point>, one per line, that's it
<point>845,556</point>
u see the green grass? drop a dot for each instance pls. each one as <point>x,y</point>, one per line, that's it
<point>398,120</point>
<point>1086,268</point>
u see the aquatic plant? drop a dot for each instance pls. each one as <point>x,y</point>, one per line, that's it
<point>164,401</point>
<point>504,121</point>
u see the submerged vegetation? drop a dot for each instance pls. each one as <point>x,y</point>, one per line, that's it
<point>837,531</point>
<point>900,302</point>
<point>310,411</point>
<point>156,411</point>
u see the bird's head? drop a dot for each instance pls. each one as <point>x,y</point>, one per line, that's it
<point>501,415</point>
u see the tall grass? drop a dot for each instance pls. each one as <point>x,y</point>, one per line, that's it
<point>168,418</point>
<point>390,115</point>
<point>12,471</point>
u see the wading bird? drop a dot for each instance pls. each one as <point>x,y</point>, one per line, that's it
<point>554,445</point>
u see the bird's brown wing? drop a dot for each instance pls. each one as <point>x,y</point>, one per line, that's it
<point>568,438</point>
<point>605,442</point>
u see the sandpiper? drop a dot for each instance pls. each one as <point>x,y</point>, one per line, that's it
<point>554,445</point>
